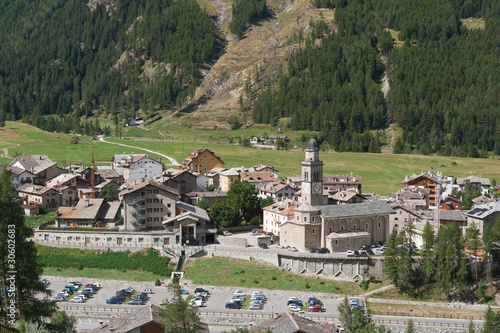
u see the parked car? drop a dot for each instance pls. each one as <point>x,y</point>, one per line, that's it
<point>58,299</point>
<point>233,305</point>
<point>136,301</point>
<point>76,283</point>
<point>370,252</point>
<point>314,250</point>
<point>263,246</point>
<point>255,230</point>
<point>379,251</point>
<point>114,300</point>
<point>197,301</point>
<point>200,290</point>
<point>294,308</point>
<point>292,248</point>
<point>296,302</point>
<point>350,253</point>
<point>239,293</point>
<point>356,253</point>
<point>324,250</point>
<point>45,282</point>
<point>261,232</point>
<point>78,300</point>
<point>183,291</point>
<point>147,290</point>
<point>315,308</point>
<point>71,286</point>
<point>255,305</point>
<point>227,233</point>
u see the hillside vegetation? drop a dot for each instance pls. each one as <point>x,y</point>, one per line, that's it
<point>315,65</point>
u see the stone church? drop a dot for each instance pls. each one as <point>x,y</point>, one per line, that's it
<point>336,227</point>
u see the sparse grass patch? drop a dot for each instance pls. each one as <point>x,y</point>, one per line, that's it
<point>95,273</point>
<point>475,23</point>
<point>394,34</point>
<point>422,311</point>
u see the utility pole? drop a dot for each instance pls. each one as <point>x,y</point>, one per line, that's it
<point>437,221</point>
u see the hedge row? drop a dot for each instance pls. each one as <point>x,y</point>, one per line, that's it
<point>148,260</point>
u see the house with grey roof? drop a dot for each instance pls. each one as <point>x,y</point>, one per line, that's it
<point>478,184</point>
<point>190,226</point>
<point>147,319</point>
<point>288,322</point>
<point>89,213</point>
<point>33,169</point>
<point>483,215</point>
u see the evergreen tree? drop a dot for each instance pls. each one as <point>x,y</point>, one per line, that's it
<point>60,322</point>
<point>243,197</point>
<point>391,260</point>
<point>428,260</point>
<point>491,322</point>
<point>18,254</point>
<point>179,316</point>
<point>410,328</point>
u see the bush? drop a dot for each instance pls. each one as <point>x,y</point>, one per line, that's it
<point>148,260</point>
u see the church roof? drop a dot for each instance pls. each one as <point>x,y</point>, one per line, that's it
<point>370,208</point>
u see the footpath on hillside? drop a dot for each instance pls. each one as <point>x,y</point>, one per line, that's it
<point>171,159</point>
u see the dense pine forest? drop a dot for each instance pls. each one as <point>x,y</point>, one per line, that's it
<point>62,62</point>
<point>444,80</point>
<point>72,58</point>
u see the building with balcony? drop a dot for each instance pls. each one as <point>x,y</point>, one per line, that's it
<point>201,160</point>
<point>147,204</point>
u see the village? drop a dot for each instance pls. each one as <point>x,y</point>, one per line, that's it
<point>147,205</point>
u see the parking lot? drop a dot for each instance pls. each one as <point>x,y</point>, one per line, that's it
<point>216,301</point>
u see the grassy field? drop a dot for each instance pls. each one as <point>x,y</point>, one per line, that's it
<point>222,271</point>
<point>382,173</point>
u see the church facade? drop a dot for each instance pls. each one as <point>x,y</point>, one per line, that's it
<point>336,227</point>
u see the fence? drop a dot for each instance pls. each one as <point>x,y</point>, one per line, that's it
<point>444,316</point>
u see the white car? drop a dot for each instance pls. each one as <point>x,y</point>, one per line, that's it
<point>350,253</point>
<point>294,308</point>
<point>239,293</point>
<point>379,251</point>
<point>78,300</point>
<point>198,301</point>
<point>292,248</point>
<point>147,290</point>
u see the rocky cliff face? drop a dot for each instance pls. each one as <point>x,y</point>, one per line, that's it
<point>246,66</point>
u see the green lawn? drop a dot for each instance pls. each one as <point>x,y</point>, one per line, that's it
<point>222,271</point>
<point>382,173</point>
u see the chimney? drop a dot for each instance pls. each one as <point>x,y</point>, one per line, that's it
<point>87,203</point>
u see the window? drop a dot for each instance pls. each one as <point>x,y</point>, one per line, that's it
<point>108,239</point>
<point>312,219</point>
<point>168,205</point>
<point>336,242</point>
<point>306,175</point>
<point>379,224</point>
<point>331,230</point>
<point>129,240</point>
<point>366,226</point>
<point>156,240</point>
<point>354,227</point>
<point>305,218</point>
<point>395,219</point>
<point>297,218</point>
<point>341,228</point>
<point>313,231</point>
<point>141,240</point>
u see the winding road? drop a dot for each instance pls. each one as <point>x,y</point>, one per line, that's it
<point>172,160</point>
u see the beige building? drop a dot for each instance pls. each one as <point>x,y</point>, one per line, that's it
<point>336,227</point>
<point>88,213</point>
<point>277,214</point>
<point>147,204</point>
<point>45,197</point>
<point>227,178</point>
<point>202,160</point>
<point>34,169</point>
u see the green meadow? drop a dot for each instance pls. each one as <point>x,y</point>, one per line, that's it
<point>382,173</point>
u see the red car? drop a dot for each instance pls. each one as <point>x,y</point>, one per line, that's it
<point>315,308</point>
<point>261,232</point>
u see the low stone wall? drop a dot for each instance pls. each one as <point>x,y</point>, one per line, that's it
<point>232,241</point>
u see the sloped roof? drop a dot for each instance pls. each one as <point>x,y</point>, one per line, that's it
<point>107,173</point>
<point>288,322</point>
<point>347,179</point>
<point>146,183</point>
<point>348,234</point>
<point>473,179</point>
<point>33,189</point>
<point>285,207</point>
<point>452,215</point>
<point>59,180</point>
<point>360,209</point>
<point>136,319</point>
<point>428,175</point>
<point>189,159</point>
<point>346,195</point>
<point>482,211</point>
<point>86,209</point>
<point>32,163</point>
<point>127,158</point>
<point>193,210</point>
<point>257,176</point>
<point>274,187</point>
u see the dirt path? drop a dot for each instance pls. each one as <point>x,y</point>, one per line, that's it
<point>6,150</point>
<point>172,160</point>
<point>163,136</point>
